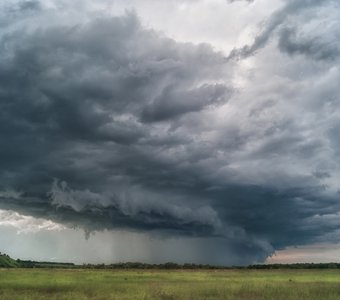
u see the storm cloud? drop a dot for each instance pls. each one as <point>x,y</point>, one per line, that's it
<point>108,124</point>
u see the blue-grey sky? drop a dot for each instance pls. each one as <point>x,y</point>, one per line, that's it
<point>190,131</point>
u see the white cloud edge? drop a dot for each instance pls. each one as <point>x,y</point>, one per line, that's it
<point>27,224</point>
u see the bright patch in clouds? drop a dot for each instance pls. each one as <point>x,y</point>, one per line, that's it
<point>26,224</point>
<point>322,253</point>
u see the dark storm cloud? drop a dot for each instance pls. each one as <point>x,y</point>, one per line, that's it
<point>71,93</point>
<point>105,124</point>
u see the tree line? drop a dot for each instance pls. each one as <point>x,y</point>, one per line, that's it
<point>7,262</point>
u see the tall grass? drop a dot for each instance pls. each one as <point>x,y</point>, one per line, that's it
<point>58,284</point>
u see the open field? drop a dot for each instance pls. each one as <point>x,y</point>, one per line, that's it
<point>161,284</point>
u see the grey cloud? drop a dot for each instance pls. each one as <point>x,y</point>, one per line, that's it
<point>132,204</point>
<point>150,134</point>
<point>284,15</point>
<point>174,103</point>
<point>315,48</point>
<point>231,1</point>
<point>30,5</point>
<point>115,71</point>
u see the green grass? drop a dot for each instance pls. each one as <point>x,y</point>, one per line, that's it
<point>168,285</point>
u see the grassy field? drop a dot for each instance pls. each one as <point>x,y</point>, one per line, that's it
<point>115,284</point>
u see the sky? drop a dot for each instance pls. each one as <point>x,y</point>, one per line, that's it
<point>198,131</point>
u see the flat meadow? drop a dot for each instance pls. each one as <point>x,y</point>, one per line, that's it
<point>29,284</point>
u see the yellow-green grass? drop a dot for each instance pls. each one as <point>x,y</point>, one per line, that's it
<point>145,284</point>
